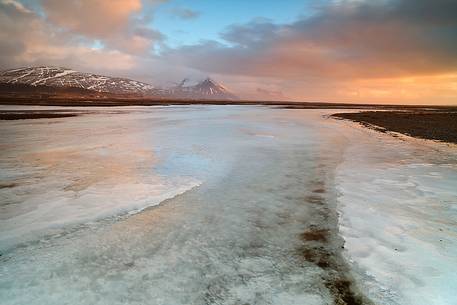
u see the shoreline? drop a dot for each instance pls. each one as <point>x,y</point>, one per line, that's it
<point>437,123</point>
<point>119,101</point>
<point>384,234</point>
<point>428,125</point>
<point>33,115</point>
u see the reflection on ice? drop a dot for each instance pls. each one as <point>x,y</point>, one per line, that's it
<point>78,170</point>
<point>251,181</point>
<point>232,240</point>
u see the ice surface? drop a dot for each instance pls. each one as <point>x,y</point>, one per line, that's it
<point>232,236</point>
<point>234,239</point>
<point>398,205</point>
<point>74,171</point>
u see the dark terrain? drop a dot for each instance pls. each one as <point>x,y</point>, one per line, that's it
<point>434,124</point>
<point>32,115</point>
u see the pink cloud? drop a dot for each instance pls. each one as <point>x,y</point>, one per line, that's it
<point>346,47</point>
<point>101,18</point>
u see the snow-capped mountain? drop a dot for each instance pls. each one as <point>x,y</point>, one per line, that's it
<point>206,89</point>
<point>63,77</point>
<point>62,82</point>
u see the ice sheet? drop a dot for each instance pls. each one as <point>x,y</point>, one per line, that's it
<point>67,172</point>
<point>232,240</point>
<point>398,206</point>
<point>232,236</point>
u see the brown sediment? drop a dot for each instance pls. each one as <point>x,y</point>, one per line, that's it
<point>7,185</point>
<point>343,290</point>
<point>315,235</point>
<point>425,124</point>
<point>314,199</point>
<point>322,246</point>
<point>337,279</point>
<point>317,256</point>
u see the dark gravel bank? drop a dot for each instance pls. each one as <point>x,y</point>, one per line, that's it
<point>432,125</point>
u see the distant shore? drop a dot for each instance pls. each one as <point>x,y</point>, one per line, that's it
<point>111,102</point>
<point>421,121</point>
<point>34,115</point>
<point>429,124</point>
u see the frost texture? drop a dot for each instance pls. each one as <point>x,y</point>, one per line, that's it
<point>246,177</point>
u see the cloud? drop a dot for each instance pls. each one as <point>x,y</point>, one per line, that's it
<point>184,13</point>
<point>27,39</point>
<point>108,37</point>
<point>344,41</point>
<point>17,5</point>
<point>97,19</point>
<point>119,24</point>
<point>388,50</point>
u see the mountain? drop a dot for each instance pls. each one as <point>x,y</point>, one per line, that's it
<point>58,77</point>
<point>206,89</point>
<point>57,82</point>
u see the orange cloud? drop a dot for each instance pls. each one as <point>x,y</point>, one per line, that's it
<point>26,39</point>
<point>99,18</point>
<point>348,50</point>
<point>114,22</point>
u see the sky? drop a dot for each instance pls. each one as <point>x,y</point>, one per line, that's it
<point>364,51</point>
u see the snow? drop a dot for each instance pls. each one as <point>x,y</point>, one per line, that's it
<point>66,72</point>
<point>55,76</point>
<point>15,70</point>
<point>45,79</point>
<point>21,76</point>
<point>62,77</point>
<point>399,217</point>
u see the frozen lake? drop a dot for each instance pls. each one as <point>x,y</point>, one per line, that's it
<point>223,205</point>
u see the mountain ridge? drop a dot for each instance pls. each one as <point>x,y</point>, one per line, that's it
<point>42,78</point>
<point>206,88</point>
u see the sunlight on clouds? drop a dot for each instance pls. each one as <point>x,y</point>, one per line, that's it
<point>17,5</point>
<point>347,50</point>
<point>83,16</point>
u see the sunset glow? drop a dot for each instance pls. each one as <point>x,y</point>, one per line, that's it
<point>385,51</point>
<point>203,152</point>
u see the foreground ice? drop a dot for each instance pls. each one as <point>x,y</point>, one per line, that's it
<point>56,172</point>
<point>234,239</point>
<point>398,205</point>
<point>251,181</point>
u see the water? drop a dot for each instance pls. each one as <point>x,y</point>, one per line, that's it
<point>208,204</point>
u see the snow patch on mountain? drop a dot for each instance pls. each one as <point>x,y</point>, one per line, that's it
<point>63,77</point>
<point>206,89</point>
<point>59,77</point>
